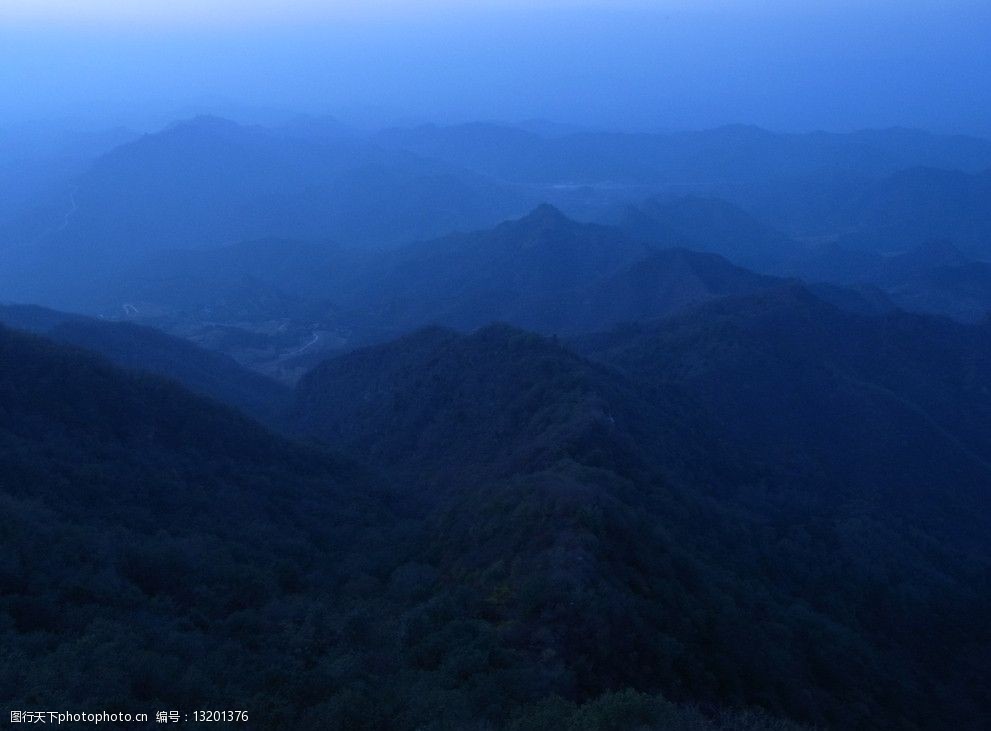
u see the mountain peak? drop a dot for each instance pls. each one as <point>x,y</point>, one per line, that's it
<point>202,123</point>
<point>743,131</point>
<point>545,215</point>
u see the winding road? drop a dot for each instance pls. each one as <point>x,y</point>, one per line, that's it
<point>74,206</point>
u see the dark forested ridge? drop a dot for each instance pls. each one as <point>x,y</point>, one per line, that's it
<point>760,503</point>
<point>626,531</point>
<point>574,532</point>
<point>159,549</point>
<point>892,407</point>
<point>164,551</point>
<point>145,349</point>
<point>336,446</point>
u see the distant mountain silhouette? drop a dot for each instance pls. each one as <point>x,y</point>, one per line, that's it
<point>879,190</point>
<point>918,205</point>
<point>209,182</point>
<point>544,272</point>
<point>710,225</point>
<point>467,280</point>
<point>726,155</point>
<point>547,273</point>
<point>935,277</point>
<point>38,163</point>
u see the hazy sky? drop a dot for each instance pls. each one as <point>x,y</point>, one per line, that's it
<point>799,65</point>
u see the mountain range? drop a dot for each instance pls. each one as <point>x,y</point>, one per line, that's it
<point>209,182</point>
<point>656,508</point>
<point>726,155</point>
<point>348,438</point>
<point>693,489</point>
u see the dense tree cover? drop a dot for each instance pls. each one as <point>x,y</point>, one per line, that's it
<point>163,552</point>
<point>619,533</point>
<point>159,549</point>
<point>542,540</point>
<point>761,512</point>
<point>892,408</point>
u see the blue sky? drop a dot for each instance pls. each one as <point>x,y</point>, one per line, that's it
<point>629,63</point>
<point>230,13</point>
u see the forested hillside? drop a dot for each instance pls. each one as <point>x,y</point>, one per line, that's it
<point>624,534</point>
<point>161,550</point>
<point>165,552</point>
<point>512,365</point>
<point>139,348</point>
